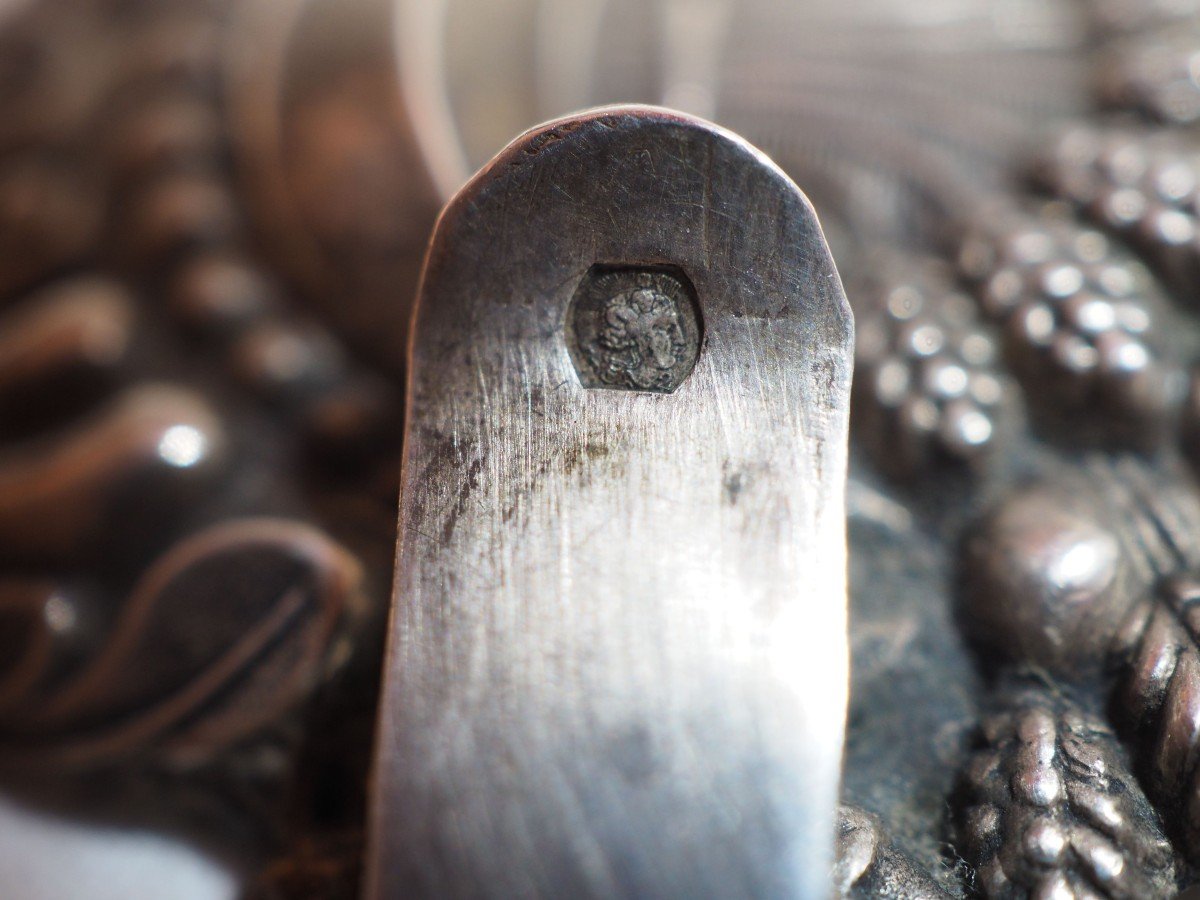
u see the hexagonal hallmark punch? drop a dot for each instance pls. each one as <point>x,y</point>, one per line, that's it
<point>617,661</point>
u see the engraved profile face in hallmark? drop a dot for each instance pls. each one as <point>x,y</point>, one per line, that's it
<point>634,328</point>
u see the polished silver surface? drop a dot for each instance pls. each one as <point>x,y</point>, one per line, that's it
<point>618,662</point>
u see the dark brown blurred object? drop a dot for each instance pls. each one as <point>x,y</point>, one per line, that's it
<point>196,472</point>
<point>336,177</point>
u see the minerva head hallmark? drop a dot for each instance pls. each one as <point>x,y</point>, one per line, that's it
<point>618,658</point>
<point>634,328</point>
